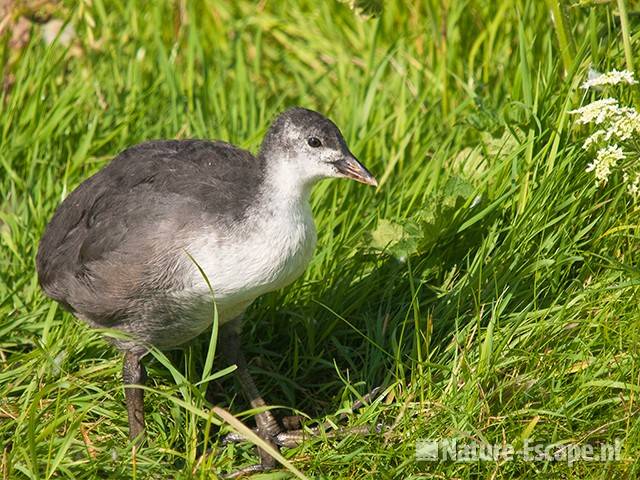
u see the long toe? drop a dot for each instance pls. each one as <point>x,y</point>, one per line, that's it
<point>251,469</point>
<point>267,462</point>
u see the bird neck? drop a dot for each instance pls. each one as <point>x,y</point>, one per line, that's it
<point>286,186</point>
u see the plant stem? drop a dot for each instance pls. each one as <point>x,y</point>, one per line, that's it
<point>563,32</point>
<point>626,41</point>
<point>626,35</point>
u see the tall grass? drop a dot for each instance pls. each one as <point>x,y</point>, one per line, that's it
<point>487,284</point>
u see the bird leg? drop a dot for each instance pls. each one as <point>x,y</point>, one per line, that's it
<point>134,373</point>
<point>268,427</point>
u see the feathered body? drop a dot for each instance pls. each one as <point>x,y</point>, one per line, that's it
<point>121,250</point>
<point>124,250</point>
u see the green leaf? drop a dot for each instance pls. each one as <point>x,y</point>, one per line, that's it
<point>396,239</point>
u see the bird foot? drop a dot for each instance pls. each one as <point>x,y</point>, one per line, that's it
<point>294,438</point>
<point>291,439</point>
<point>293,435</point>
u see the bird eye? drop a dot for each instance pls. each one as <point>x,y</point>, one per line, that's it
<point>314,142</point>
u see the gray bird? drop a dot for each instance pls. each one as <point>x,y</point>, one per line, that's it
<point>123,250</point>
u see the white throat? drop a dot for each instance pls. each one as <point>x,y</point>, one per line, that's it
<point>288,182</point>
<point>269,250</point>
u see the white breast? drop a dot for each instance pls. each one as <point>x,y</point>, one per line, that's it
<point>269,252</point>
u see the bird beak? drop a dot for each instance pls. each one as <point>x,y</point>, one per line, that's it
<point>349,167</point>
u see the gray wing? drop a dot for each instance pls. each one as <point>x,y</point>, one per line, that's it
<point>118,240</point>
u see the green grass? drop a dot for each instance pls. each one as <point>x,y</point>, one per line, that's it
<point>487,284</point>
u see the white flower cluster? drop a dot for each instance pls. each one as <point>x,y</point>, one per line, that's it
<point>606,158</point>
<point>596,112</point>
<point>615,126</point>
<point>633,187</point>
<point>614,77</point>
<point>615,122</point>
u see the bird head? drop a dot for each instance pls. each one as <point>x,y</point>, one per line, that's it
<point>311,147</point>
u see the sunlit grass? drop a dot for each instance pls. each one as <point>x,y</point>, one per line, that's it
<point>487,284</point>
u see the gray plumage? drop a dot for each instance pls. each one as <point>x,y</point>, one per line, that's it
<point>112,244</point>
